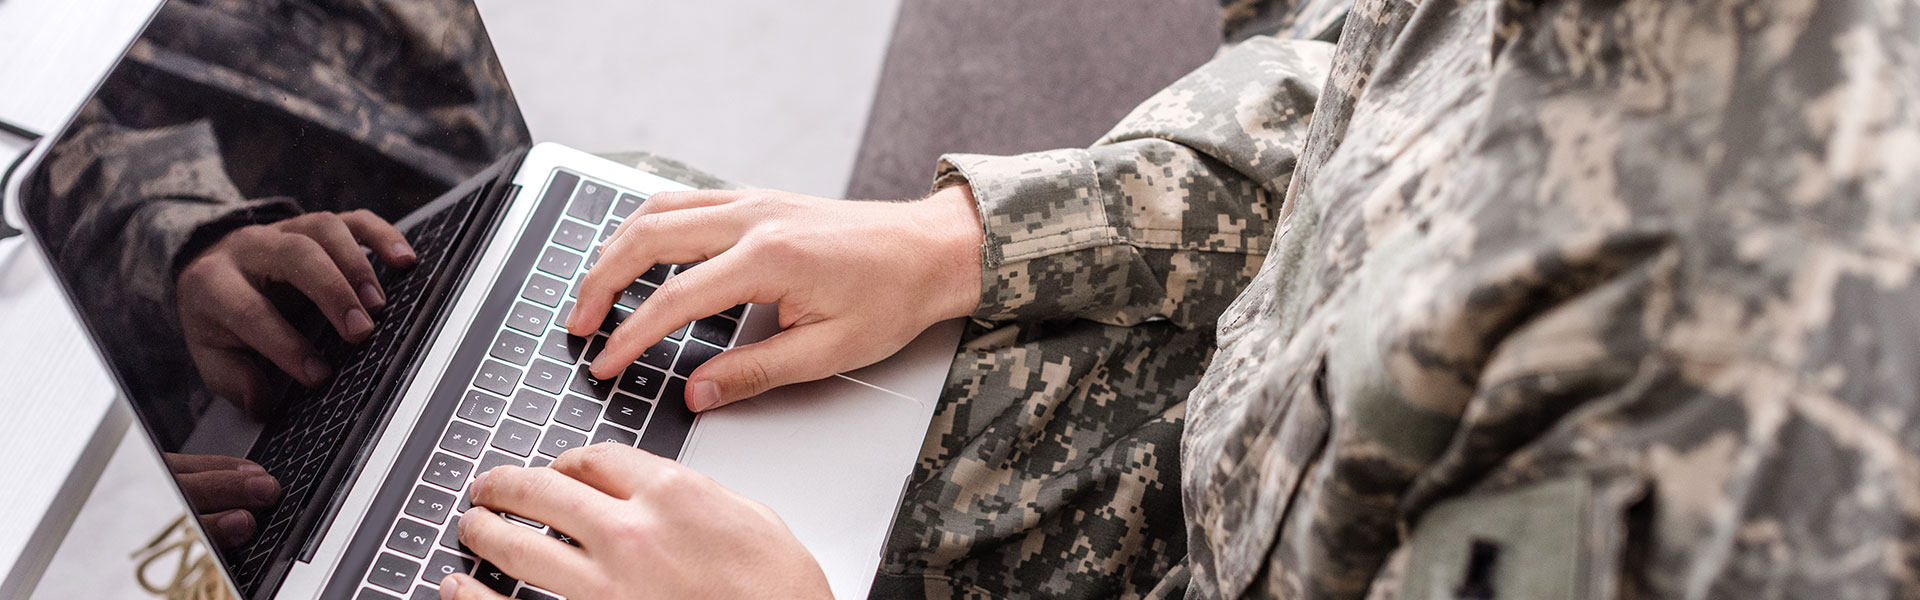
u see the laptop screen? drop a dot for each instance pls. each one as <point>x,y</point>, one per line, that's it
<point>228,211</point>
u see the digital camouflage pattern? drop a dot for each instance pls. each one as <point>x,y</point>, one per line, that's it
<point>1635,275</point>
<point>206,128</point>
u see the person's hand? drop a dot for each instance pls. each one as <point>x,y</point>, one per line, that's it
<point>227,320</point>
<point>223,490</point>
<point>647,528</point>
<point>856,281</point>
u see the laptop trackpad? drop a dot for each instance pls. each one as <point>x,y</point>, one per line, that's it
<point>829,457</point>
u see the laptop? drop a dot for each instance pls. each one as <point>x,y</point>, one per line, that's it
<point>224,115</point>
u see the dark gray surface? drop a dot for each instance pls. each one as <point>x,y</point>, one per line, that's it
<point>1006,76</point>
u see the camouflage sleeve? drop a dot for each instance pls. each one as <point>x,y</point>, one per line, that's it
<point>1167,216</point>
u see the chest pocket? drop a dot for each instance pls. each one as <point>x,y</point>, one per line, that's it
<point>1562,538</point>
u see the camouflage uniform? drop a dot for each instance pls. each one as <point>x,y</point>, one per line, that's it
<point>1566,299</point>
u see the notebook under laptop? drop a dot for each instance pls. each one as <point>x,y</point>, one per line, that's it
<point>222,116</point>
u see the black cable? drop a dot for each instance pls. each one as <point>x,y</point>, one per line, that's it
<point>18,131</point>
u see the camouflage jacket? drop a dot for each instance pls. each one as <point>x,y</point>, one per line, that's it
<point>1529,298</point>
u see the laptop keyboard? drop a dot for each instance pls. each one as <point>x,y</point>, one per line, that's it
<point>532,399</point>
<point>300,446</point>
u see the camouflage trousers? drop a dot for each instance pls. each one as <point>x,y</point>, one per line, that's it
<point>1052,467</point>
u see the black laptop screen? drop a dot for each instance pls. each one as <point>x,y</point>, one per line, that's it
<point>218,207</point>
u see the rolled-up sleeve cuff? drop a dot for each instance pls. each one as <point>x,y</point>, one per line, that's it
<point>1039,212</point>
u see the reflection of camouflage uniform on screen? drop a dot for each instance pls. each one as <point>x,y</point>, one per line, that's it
<point>166,160</point>
<point>1580,299</point>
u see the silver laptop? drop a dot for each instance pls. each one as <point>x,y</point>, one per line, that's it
<point>218,119</point>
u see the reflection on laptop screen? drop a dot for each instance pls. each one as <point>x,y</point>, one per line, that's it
<point>218,209</point>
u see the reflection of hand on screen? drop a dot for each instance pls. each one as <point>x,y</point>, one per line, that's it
<point>228,321</point>
<point>222,491</point>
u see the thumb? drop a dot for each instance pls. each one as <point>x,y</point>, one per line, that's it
<point>791,356</point>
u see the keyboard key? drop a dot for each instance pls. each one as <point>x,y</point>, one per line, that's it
<point>481,407</point>
<point>660,355</point>
<point>594,348</point>
<point>641,380</point>
<point>532,594</point>
<point>586,385</point>
<point>538,461</point>
<point>447,471</point>
<point>393,572</point>
<point>678,334</point>
<point>561,346</point>
<point>607,231</point>
<point>668,432</point>
<point>412,537</point>
<point>513,347</point>
<point>714,330</point>
<point>628,411</point>
<point>421,592</point>
<point>430,505</point>
<point>566,310</point>
<point>545,290</point>
<point>463,439</point>
<point>495,579</point>
<point>532,407</point>
<point>559,263</point>
<point>657,274</point>
<point>373,594</point>
<point>555,534</point>
<point>578,413</point>
<point>446,563</point>
<point>636,293</point>
<point>614,318</point>
<point>608,433</point>
<point>692,356</point>
<point>627,204</point>
<point>736,312</point>
<point>513,518</point>
<point>530,319</point>
<point>546,376</point>
<point>593,258</point>
<point>497,377</point>
<point>450,538</point>
<point>516,437</point>
<point>573,235</point>
<point>591,201</point>
<point>561,439</point>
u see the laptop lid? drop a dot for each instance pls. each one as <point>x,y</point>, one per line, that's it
<point>204,206</point>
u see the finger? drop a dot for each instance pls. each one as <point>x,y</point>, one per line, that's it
<point>524,553</point>
<point>546,496</point>
<point>618,470</point>
<point>665,202</point>
<point>338,241</point>
<point>673,238</point>
<point>301,261</point>
<point>718,285</point>
<point>257,323</point>
<point>214,491</point>
<point>385,240</point>
<point>228,529</point>
<point>789,357</point>
<point>195,463</point>
<point>465,587</point>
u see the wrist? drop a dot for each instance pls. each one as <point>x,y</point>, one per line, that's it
<point>958,237</point>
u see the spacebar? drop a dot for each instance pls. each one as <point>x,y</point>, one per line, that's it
<point>667,432</point>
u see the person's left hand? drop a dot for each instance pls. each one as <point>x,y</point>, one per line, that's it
<point>223,491</point>
<point>647,528</point>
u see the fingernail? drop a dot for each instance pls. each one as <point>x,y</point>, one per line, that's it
<point>479,478</point>
<point>403,252</point>
<point>370,296</point>
<point>250,468</point>
<point>236,522</point>
<point>449,587</point>
<point>357,323</point>
<point>263,488</point>
<point>317,370</point>
<point>705,395</point>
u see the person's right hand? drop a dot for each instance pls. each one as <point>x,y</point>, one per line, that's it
<point>227,320</point>
<point>222,490</point>
<point>855,281</point>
